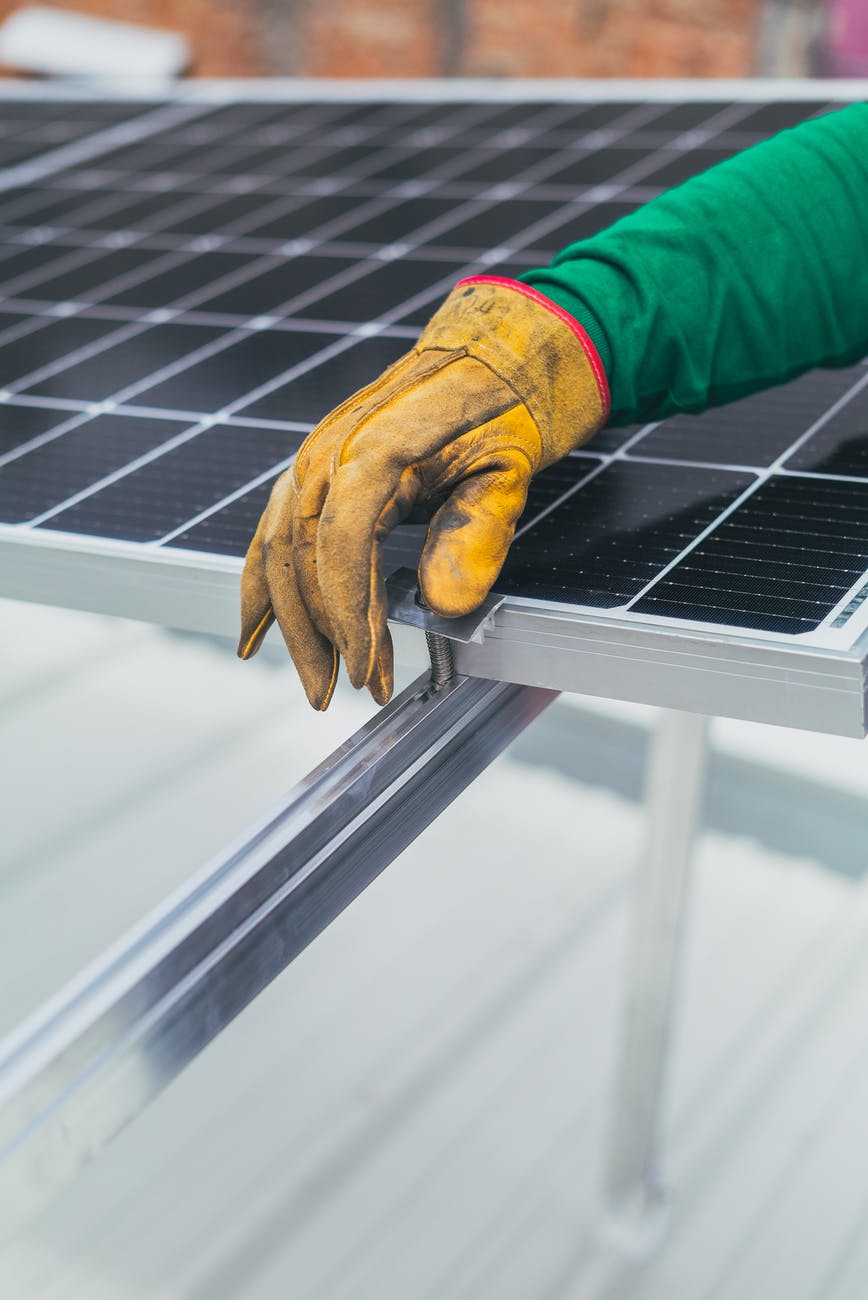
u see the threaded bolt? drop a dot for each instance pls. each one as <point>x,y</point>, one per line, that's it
<point>442,659</point>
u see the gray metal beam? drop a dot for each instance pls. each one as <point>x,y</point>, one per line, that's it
<point>88,1063</point>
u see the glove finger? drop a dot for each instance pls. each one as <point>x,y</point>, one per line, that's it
<point>311,498</point>
<point>470,535</point>
<point>314,656</point>
<point>365,501</point>
<point>257,615</point>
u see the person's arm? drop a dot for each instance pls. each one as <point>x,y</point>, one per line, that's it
<point>740,278</point>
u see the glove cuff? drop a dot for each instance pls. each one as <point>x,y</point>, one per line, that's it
<point>535,347</point>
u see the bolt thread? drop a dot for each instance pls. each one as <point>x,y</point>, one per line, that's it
<point>442,661</point>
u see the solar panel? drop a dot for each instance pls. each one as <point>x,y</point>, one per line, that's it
<point>187,287</point>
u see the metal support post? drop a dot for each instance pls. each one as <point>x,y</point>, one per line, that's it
<point>674,788</point>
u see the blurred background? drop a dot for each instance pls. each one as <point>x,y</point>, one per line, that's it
<point>491,38</point>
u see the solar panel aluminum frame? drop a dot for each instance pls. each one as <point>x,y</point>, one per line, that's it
<point>815,688</point>
<point>757,676</point>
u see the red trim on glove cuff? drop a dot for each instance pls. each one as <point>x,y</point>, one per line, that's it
<point>580,333</point>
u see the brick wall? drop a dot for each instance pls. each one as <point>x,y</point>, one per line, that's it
<point>422,38</point>
<point>527,38</point>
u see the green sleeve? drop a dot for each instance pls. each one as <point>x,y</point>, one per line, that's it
<point>741,278</point>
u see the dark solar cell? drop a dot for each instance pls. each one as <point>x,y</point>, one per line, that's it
<point>238,117</point>
<point>18,151</point>
<point>228,531</point>
<point>211,384</point>
<point>41,479</point>
<point>137,211</point>
<point>178,485</point>
<point>331,162</point>
<point>418,116</point>
<point>546,488</point>
<point>510,164</point>
<point>366,113</point>
<point>409,164</point>
<point>301,221</point>
<point>579,223</point>
<point>512,115</point>
<point>382,291</point>
<point>753,431</point>
<point>765,119</point>
<point>678,167</point>
<point>310,396</point>
<point>840,445</point>
<point>594,117</point>
<point>18,424</point>
<point>611,440</point>
<point>615,533</point>
<point>497,224</point>
<point>267,292</point>
<point>195,273</point>
<point>94,114</point>
<point>686,117</point>
<point>49,345</point>
<point>21,198</point>
<point>779,562</point>
<point>146,156</point>
<point>400,221</point>
<point>20,322</point>
<point>85,282</point>
<point>54,205</point>
<point>595,167</point>
<point>125,363</point>
<point>219,211</point>
<point>24,260</point>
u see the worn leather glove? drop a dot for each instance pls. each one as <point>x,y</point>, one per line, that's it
<point>501,384</point>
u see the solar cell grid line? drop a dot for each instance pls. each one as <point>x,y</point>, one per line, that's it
<point>180,483</point>
<point>80,335</point>
<point>93,277</point>
<point>593,532</point>
<point>35,201</point>
<point>16,325</point>
<point>550,111</point>
<point>161,446</point>
<point>762,476</point>
<point>260,486</point>
<point>130,274</point>
<point>722,434</point>
<point>839,447</point>
<point>150,211</point>
<point>315,159</point>
<point>170,445</point>
<point>105,335</point>
<point>283,308</point>
<point>833,554</point>
<point>93,145</point>
<point>27,426</point>
<point>46,266</point>
<point>554,220</point>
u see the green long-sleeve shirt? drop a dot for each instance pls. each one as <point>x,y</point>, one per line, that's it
<point>741,278</point>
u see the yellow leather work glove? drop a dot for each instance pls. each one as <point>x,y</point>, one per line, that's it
<point>501,384</point>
